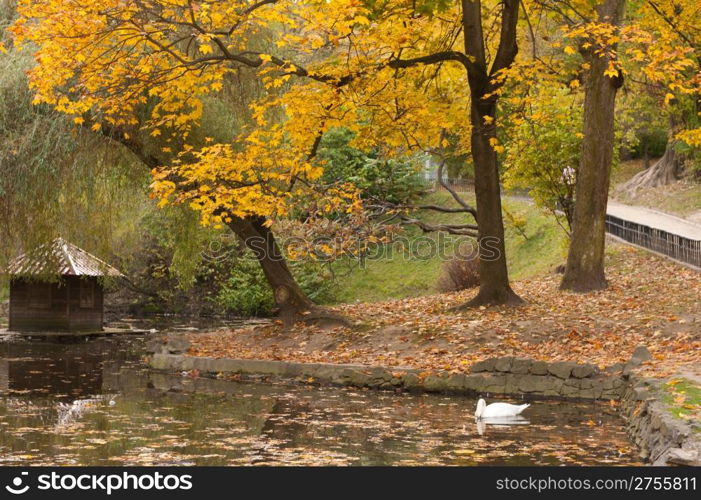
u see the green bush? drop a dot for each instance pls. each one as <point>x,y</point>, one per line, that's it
<point>393,180</point>
<point>247,293</point>
<point>539,152</point>
<point>341,160</point>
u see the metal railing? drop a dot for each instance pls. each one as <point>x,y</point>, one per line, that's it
<point>675,246</point>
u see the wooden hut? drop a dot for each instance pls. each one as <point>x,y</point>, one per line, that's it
<point>57,287</point>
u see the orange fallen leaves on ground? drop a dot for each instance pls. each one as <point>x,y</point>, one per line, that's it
<point>650,301</point>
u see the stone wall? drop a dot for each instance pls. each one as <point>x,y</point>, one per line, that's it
<point>509,375</point>
<point>663,438</point>
<point>494,376</point>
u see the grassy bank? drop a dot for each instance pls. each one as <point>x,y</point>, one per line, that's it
<point>683,397</point>
<point>409,272</point>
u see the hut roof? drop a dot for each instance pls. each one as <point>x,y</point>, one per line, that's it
<point>60,258</point>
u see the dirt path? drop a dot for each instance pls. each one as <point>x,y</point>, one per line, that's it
<point>655,219</point>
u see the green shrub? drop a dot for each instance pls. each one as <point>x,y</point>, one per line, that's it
<point>539,153</point>
<point>395,180</point>
<point>247,293</point>
<point>341,160</point>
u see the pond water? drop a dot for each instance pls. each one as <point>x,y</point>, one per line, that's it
<point>93,402</point>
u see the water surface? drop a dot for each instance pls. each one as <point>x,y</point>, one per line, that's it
<point>93,402</point>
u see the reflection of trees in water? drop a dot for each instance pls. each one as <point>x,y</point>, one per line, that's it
<point>183,418</point>
<point>313,423</point>
<point>69,413</point>
<point>35,412</point>
<point>276,419</point>
<point>69,366</point>
<point>246,403</point>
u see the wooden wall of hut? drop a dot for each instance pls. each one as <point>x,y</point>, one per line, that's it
<point>71,304</point>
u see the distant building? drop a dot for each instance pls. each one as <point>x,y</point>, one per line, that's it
<point>57,287</point>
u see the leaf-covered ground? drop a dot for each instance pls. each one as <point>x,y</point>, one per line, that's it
<point>650,301</point>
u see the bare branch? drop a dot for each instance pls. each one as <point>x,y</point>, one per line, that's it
<point>456,229</point>
<point>438,57</point>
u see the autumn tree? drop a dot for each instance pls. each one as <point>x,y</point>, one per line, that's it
<point>409,73</point>
<point>484,86</point>
<point>584,270</point>
<point>592,50</point>
<point>150,63</point>
<point>668,55</point>
<point>128,67</point>
<point>591,29</point>
<point>483,57</point>
<point>444,69</point>
<point>653,42</point>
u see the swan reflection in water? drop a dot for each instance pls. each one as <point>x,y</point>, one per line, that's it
<point>482,423</point>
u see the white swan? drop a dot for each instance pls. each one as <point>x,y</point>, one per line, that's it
<point>497,410</point>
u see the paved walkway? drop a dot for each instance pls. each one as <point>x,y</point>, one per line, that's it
<point>655,219</point>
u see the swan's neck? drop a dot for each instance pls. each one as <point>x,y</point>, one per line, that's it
<point>480,408</point>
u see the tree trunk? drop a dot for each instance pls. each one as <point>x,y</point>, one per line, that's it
<point>494,276</point>
<point>585,260</point>
<point>663,172</point>
<point>292,303</point>
<point>289,297</point>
